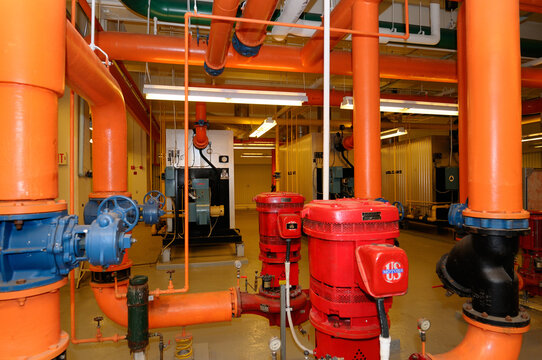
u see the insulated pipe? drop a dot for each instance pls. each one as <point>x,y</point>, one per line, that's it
<point>462,102</point>
<point>291,11</point>
<point>219,37</point>
<point>341,17</point>
<point>89,78</point>
<point>494,110</point>
<point>366,80</point>
<point>31,80</point>
<point>249,37</point>
<point>170,310</point>
<point>433,39</point>
<point>168,50</point>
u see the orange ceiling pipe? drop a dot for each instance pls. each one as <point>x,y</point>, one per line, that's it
<point>88,77</point>
<point>462,102</point>
<point>252,35</point>
<point>341,17</point>
<point>219,36</point>
<point>486,342</point>
<point>366,86</point>
<point>526,5</point>
<point>171,310</point>
<point>31,80</point>
<point>494,111</point>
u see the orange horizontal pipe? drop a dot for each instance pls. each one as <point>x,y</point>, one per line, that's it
<point>88,77</point>
<point>31,80</point>
<point>486,342</point>
<point>220,34</point>
<point>253,34</point>
<point>494,111</point>
<point>170,310</point>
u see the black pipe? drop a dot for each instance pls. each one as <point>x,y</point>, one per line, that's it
<point>217,173</point>
<point>288,249</point>
<point>137,299</point>
<point>346,159</point>
<point>384,326</point>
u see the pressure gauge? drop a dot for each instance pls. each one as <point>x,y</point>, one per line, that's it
<point>274,344</point>
<point>237,264</point>
<point>424,324</point>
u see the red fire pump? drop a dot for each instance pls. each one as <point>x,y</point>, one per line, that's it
<point>531,246</point>
<point>355,270</point>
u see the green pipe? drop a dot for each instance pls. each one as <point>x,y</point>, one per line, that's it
<point>137,300</point>
<point>173,11</point>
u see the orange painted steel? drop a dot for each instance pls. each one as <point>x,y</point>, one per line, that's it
<point>462,102</point>
<point>31,80</point>
<point>366,87</point>
<point>494,111</point>
<point>201,140</point>
<point>71,156</point>
<point>89,78</point>
<point>486,342</point>
<point>525,5</point>
<point>253,34</point>
<point>31,323</point>
<point>171,310</point>
<point>220,34</point>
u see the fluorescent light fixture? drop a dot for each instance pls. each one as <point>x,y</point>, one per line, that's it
<point>267,125</point>
<point>235,147</point>
<point>408,107</point>
<point>532,137</point>
<point>386,134</point>
<point>218,95</point>
<point>255,156</point>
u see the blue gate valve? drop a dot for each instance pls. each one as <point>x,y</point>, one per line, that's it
<point>151,210</point>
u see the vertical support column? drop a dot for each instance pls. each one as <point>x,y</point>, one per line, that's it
<point>366,78</point>
<point>462,103</point>
<point>494,88</point>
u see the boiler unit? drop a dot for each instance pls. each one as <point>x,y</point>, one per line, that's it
<point>355,270</point>
<point>531,248</point>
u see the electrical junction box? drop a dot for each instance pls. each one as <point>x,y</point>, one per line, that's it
<point>169,179</point>
<point>451,175</point>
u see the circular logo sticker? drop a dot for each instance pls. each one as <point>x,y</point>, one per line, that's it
<point>393,272</point>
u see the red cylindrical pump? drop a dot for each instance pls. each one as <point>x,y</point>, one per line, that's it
<point>271,206</point>
<point>345,316</point>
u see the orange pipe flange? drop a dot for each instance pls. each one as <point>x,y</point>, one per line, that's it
<point>348,142</point>
<point>486,342</point>
<point>171,310</point>
<point>88,77</point>
<point>220,34</point>
<point>31,323</point>
<point>31,80</point>
<point>494,111</point>
<point>340,17</point>
<point>367,162</point>
<point>251,34</point>
<point>462,102</point>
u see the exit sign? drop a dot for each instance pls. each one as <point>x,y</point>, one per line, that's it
<point>62,158</point>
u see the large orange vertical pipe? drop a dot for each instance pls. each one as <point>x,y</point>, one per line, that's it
<point>252,34</point>
<point>462,104</point>
<point>366,80</point>
<point>494,110</point>
<point>31,80</point>
<point>88,77</point>
<point>219,36</point>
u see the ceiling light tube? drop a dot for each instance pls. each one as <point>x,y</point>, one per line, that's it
<point>255,156</point>
<point>531,137</point>
<point>409,107</point>
<point>218,95</point>
<point>386,134</point>
<point>267,125</point>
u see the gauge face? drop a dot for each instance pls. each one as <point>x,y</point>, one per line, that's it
<point>237,264</point>
<point>274,344</point>
<point>424,324</point>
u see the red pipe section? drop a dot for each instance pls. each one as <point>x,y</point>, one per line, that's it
<point>462,102</point>
<point>31,80</point>
<point>168,50</point>
<point>171,310</point>
<point>366,86</point>
<point>254,303</point>
<point>494,110</point>
<point>201,140</point>
<point>340,17</point>
<point>88,77</point>
<point>219,35</point>
<point>252,34</point>
<point>530,107</point>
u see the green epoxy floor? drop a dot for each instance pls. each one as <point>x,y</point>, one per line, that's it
<point>247,338</point>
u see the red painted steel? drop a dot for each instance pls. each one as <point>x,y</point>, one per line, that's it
<point>531,246</point>
<point>201,140</point>
<point>220,34</point>
<point>253,34</point>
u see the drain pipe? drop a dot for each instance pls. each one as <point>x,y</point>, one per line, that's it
<point>481,265</point>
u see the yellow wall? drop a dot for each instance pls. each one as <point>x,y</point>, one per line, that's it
<point>250,180</point>
<point>137,160</point>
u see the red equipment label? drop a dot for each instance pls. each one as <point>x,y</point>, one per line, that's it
<point>393,272</point>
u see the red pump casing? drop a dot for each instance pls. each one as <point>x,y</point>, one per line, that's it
<point>278,210</point>
<point>531,249</point>
<point>343,311</point>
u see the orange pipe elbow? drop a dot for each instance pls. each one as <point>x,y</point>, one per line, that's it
<point>201,140</point>
<point>171,310</point>
<point>219,35</point>
<point>252,34</point>
<point>348,142</point>
<point>88,77</point>
<point>486,342</point>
